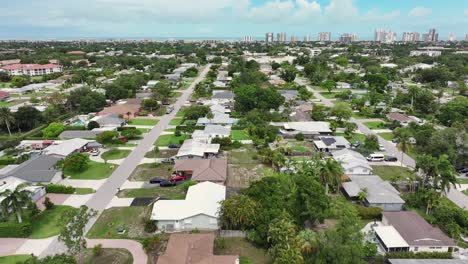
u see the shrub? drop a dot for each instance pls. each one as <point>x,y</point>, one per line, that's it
<point>150,243</point>
<point>150,226</point>
<point>97,250</point>
<point>7,161</point>
<point>76,162</point>
<point>220,243</point>
<point>299,137</point>
<point>59,188</point>
<point>92,125</point>
<point>48,203</point>
<point>369,212</point>
<point>419,255</point>
<point>185,186</point>
<point>177,133</point>
<point>195,231</point>
<point>15,230</point>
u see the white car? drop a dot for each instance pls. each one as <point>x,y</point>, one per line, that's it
<point>381,147</point>
<point>95,152</point>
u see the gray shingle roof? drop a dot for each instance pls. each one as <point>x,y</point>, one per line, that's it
<point>378,190</point>
<point>79,134</point>
<point>40,169</point>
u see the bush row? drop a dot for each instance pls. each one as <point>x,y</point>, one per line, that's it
<point>419,255</point>
<point>15,230</point>
<point>369,212</point>
<point>59,188</point>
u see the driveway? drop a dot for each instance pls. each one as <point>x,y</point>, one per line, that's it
<point>10,245</point>
<point>55,198</point>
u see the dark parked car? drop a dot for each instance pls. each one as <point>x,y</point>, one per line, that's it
<point>390,158</point>
<point>156,180</point>
<point>395,140</point>
<point>173,146</point>
<point>166,183</point>
<point>463,170</point>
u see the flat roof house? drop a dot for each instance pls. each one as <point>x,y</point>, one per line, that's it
<point>210,132</point>
<point>68,134</point>
<point>222,96</point>
<point>36,170</point>
<point>122,107</point>
<point>213,170</point>
<point>32,69</point>
<point>66,147</point>
<point>218,119</point>
<point>380,193</point>
<point>310,129</point>
<point>199,210</point>
<point>418,234</point>
<point>109,120</point>
<point>193,149</point>
<point>353,163</point>
<point>193,249</point>
<point>328,144</point>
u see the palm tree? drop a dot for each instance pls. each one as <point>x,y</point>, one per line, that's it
<point>7,118</point>
<point>404,143</point>
<point>445,174</point>
<point>330,172</point>
<point>15,200</point>
<point>362,195</point>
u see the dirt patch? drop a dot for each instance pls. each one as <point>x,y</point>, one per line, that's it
<point>145,172</point>
<point>162,154</point>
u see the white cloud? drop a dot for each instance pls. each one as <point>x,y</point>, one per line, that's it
<point>420,11</point>
<point>466,12</point>
<point>341,9</point>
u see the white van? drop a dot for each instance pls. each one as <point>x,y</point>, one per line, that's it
<point>376,157</point>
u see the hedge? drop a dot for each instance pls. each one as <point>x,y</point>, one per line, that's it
<point>15,230</point>
<point>120,129</point>
<point>74,128</point>
<point>59,188</point>
<point>7,161</point>
<point>369,212</point>
<point>419,255</point>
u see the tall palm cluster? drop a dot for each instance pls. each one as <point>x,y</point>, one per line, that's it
<point>14,202</point>
<point>7,118</point>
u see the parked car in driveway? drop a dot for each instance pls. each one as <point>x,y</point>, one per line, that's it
<point>173,146</point>
<point>463,170</point>
<point>390,158</point>
<point>381,147</point>
<point>177,178</point>
<point>95,152</point>
<point>156,180</point>
<point>167,183</point>
<point>169,109</point>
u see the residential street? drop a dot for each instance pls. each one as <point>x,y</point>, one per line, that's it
<point>108,189</point>
<point>390,148</point>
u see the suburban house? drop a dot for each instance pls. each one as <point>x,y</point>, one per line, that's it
<point>11,183</point>
<point>310,129</point>
<point>124,107</point>
<point>109,120</point>
<point>402,118</point>
<point>411,233</point>
<point>173,77</point>
<point>343,85</point>
<point>353,163</point>
<point>199,210</point>
<point>327,144</point>
<point>193,149</point>
<point>218,119</point>
<point>32,69</point>
<point>68,134</point>
<point>33,87</point>
<point>64,148</point>
<point>195,249</point>
<point>210,132</point>
<point>40,169</point>
<point>4,95</point>
<point>213,170</point>
<point>222,97</point>
<point>379,193</point>
<point>219,109</point>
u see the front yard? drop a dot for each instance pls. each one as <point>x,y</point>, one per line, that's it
<point>329,95</point>
<point>94,171</point>
<point>115,154</point>
<point>48,222</point>
<point>353,137</point>
<point>14,259</point>
<point>145,172</point>
<point>171,193</point>
<point>166,140</point>
<point>393,173</point>
<point>176,122</point>
<point>387,136</point>
<point>162,153</point>
<point>143,122</point>
<point>376,125</point>
<point>130,218</point>
<point>239,135</point>
<point>109,255</point>
<point>247,252</point>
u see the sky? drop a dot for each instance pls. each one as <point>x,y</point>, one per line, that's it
<point>233,19</point>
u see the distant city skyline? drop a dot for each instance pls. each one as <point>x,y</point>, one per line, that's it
<point>228,19</point>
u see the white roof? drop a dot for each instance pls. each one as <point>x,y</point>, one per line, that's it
<point>196,148</point>
<point>390,237</point>
<point>310,126</point>
<point>203,198</point>
<point>66,147</point>
<point>350,159</point>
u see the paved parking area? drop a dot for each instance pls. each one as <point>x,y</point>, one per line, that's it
<point>56,198</point>
<point>77,200</point>
<point>120,202</point>
<point>94,184</point>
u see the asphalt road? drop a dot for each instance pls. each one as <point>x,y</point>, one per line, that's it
<point>108,190</point>
<point>390,148</point>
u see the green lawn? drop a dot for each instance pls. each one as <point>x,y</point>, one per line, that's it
<point>147,171</point>
<point>387,136</point>
<point>83,191</point>
<point>176,94</point>
<point>173,193</point>
<point>115,154</point>
<point>329,95</point>
<point>7,104</point>
<point>48,222</point>
<point>354,137</point>
<point>463,181</point>
<point>166,140</point>
<point>181,113</point>
<point>239,135</point>
<point>13,259</point>
<point>143,122</point>
<point>176,122</point>
<point>247,252</point>
<point>144,130</point>
<point>358,115</point>
<point>130,218</point>
<point>109,255</point>
<point>391,173</point>
<point>95,171</point>
<point>375,125</point>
